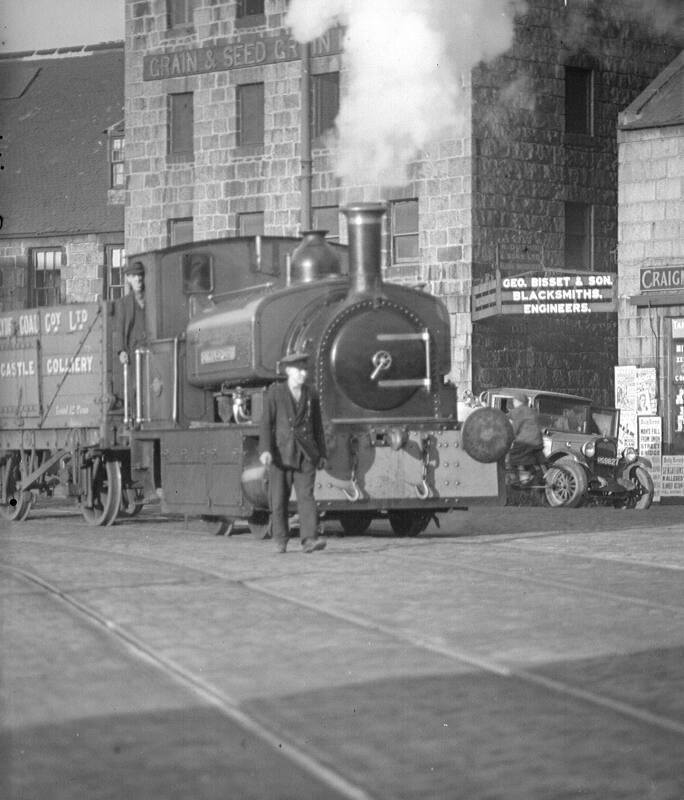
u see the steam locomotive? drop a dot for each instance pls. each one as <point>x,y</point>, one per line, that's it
<point>220,316</point>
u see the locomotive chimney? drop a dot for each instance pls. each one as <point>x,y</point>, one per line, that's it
<point>364,226</point>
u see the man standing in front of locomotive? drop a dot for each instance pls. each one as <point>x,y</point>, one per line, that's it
<point>292,444</point>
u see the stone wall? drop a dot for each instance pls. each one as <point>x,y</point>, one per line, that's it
<point>82,275</point>
<point>650,230</point>
<point>503,180</point>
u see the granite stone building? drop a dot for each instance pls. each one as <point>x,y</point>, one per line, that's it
<point>512,220</point>
<point>62,233</point>
<point>651,243</point>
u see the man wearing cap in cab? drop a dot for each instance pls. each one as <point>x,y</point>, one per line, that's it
<point>131,313</point>
<point>292,444</point>
<point>129,328</point>
<point>528,442</point>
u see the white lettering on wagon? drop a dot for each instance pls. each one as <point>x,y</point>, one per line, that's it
<point>29,325</point>
<point>72,410</point>
<point>17,369</point>
<point>59,365</point>
<point>52,321</point>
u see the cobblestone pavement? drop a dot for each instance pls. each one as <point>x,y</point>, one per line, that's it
<point>509,653</point>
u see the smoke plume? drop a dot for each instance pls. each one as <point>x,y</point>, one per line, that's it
<point>405,61</point>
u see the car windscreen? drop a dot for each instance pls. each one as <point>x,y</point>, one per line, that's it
<point>562,414</point>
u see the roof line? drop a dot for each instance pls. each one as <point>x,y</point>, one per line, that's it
<point>630,116</point>
<point>63,52</point>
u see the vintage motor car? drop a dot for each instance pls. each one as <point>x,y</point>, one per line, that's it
<point>583,439</point>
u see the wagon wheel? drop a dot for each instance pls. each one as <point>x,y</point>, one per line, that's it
<point>355,522</point>
<point>409,523</point>
<point>131,503</point>
<point>18,503</point>
<point>106,488</point>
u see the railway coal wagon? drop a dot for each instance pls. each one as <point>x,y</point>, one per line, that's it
<point>184,425</point>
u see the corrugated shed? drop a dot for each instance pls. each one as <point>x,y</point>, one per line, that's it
<point>54,113</point>
<point>661,103</point>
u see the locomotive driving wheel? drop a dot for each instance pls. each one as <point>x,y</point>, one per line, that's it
<point>18,503</point>
<point>409,523</point>
<point>102,503</point>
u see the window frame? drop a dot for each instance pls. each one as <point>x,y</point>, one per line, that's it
<point>114,289</point>
<point>176,136</point>
<point>250,216</point>
<point>332,233</point>
<point>579,100</point>
<point>576,243</point>
<point>186,19</point>
<point>242,94</point>
<point>321,120</point>
<point>53,293</point>
<point>396,236</point>
<point>245,18</point>
<point>175,225</point>
<point>117,161</point>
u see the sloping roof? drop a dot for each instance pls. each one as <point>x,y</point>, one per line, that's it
<point>661,103</point>
<point>54,111</point>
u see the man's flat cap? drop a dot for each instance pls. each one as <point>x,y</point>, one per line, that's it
<point>136,268</point>
<point>298,357</point>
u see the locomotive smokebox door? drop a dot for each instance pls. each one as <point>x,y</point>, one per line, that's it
<point>379,358</point>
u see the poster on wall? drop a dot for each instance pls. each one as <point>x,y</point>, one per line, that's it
<point>646,391</point>
<point>626,401</point>
<point>650,441</point>
<point>635,395</point>
<point>672,479</point>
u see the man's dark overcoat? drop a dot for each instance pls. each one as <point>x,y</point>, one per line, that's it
<point>291,431</point>
<point>131,325</point>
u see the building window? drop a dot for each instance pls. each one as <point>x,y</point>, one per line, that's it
<point>251,223</point>
<point>117,177</point>
<point>181,127</point>
<point>46,275</point>
<point>578,236</point>
<point>578,100</point>
<point>250,12</point>
<point>179,13</point>
<point>250,106</point>
<point>404,231</point>
<point>115,260</point>
<point>327,218</point>
<point>180,230</point>
<point>325,102</point>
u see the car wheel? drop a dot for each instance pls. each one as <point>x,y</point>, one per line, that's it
<point>566,484</point>
<point>643,493</point>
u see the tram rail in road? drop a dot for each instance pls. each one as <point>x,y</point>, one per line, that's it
<point>518,663</point>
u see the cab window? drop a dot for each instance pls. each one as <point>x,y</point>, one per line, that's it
<point>197,273</point>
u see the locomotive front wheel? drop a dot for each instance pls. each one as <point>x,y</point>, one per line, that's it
<point>260,525</point>
<point>105,479</point>
<point>355,522</point>
<point>408,523</point>
<point>18,503</point>
<point>217,526</point>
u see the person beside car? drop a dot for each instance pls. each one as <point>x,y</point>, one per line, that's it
<point>528,442</point>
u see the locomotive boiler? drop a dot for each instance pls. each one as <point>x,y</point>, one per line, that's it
<point>221,315</point>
